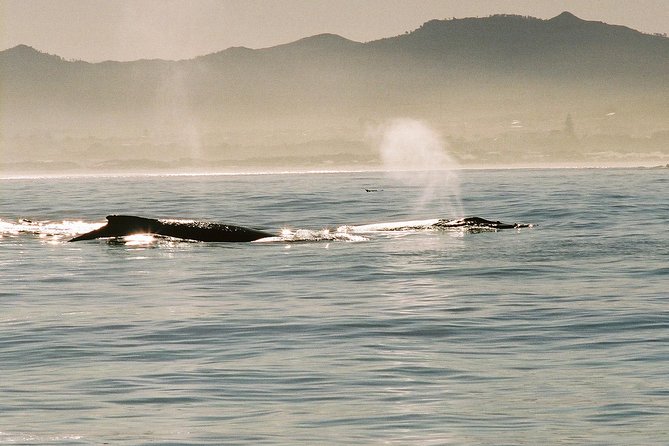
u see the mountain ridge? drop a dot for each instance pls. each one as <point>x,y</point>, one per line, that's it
<point>565,20</point>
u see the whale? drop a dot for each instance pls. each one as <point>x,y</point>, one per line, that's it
<point>467,224</point>
<point>474,223</point>
<point>122,225</point>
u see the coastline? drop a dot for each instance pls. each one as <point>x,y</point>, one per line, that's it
<point>307,170</point>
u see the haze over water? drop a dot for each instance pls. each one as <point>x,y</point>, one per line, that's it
<point>553,334</point>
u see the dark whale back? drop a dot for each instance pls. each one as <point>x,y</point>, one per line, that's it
<point>210,232</point>
<point>120,225</point>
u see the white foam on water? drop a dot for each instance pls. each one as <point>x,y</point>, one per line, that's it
<point>47,228</point>
<point>392,226</point>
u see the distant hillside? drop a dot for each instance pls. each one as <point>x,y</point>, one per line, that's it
<point>468,77</point>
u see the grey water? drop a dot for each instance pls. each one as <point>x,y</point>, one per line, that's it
<point>556,334</point>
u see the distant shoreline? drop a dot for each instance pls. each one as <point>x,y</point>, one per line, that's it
<point>88,173</point>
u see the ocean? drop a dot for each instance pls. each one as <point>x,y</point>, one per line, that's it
<point>554,334</point>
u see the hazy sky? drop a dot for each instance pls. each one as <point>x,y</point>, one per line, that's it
<point>96,30</point>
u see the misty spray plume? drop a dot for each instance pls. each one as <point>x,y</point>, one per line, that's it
<point>175,113</point>
<point>416,155</point>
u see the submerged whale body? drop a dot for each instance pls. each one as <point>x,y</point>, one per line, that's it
<point>120,225</point>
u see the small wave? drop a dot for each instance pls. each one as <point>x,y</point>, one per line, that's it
<point>30,438</point>
<point>412,225</point>
<point>307,235</point>
<point>46,228</point>
<point>362,232</point>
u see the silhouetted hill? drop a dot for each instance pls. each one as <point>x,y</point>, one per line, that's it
<point>463,75</point>
<point>564,46</point>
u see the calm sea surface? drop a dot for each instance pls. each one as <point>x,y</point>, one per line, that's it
<point>556,334</point>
